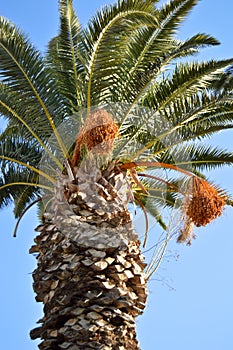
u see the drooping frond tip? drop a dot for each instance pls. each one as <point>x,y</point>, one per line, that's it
<point>203,203</point>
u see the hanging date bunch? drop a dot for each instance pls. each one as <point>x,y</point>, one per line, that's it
<point>203,203</point>
<point>97,135</point>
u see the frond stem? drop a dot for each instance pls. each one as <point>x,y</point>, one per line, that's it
<point>146,219</point>
<point>130,165</point>
<point>23,213</point>
<point>30,167</point>
<point>33,133</point>
<point>25,184</point>
<point>161,180</point>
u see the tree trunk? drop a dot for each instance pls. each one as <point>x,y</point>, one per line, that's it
<point>90,269</point>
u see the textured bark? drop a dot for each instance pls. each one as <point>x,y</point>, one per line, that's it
<point>90,269</point>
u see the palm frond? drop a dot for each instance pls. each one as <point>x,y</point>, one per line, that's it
<point>198,156</point>
<point>9,107</point>
<point>153,209</point>
<point>173,13</point>
<point>13,182</point>
<point>186,79</point>
<point>5,160</point>
<point>110,28</point>
<point>66,57</point>
<point>23,68</point>
<point>20,210</point>
<point>151,48</point>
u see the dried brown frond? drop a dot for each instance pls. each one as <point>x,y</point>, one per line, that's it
<point>138,200</point>
<point>186,233</point>
<point>97,134</point>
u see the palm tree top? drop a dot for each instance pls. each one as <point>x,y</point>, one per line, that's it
<point>125,86</point>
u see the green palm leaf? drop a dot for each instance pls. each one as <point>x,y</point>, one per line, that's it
<point>204,157</point>
<point>66,57</point>
<point>22,67</point>
<point>110,29</point>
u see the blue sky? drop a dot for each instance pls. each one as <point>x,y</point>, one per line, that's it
<point>191,298</point>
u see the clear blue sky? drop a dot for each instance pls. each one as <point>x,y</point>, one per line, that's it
<point>198,312</point>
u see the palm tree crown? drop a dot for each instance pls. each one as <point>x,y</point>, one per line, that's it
<point>157,107</point>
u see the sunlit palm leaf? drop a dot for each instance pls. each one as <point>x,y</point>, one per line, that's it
<point>66,56</point>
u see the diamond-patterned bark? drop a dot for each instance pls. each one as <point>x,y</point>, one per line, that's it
<point>90,269</point>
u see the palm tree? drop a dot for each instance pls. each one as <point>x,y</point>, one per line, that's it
<point>114,116</point>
